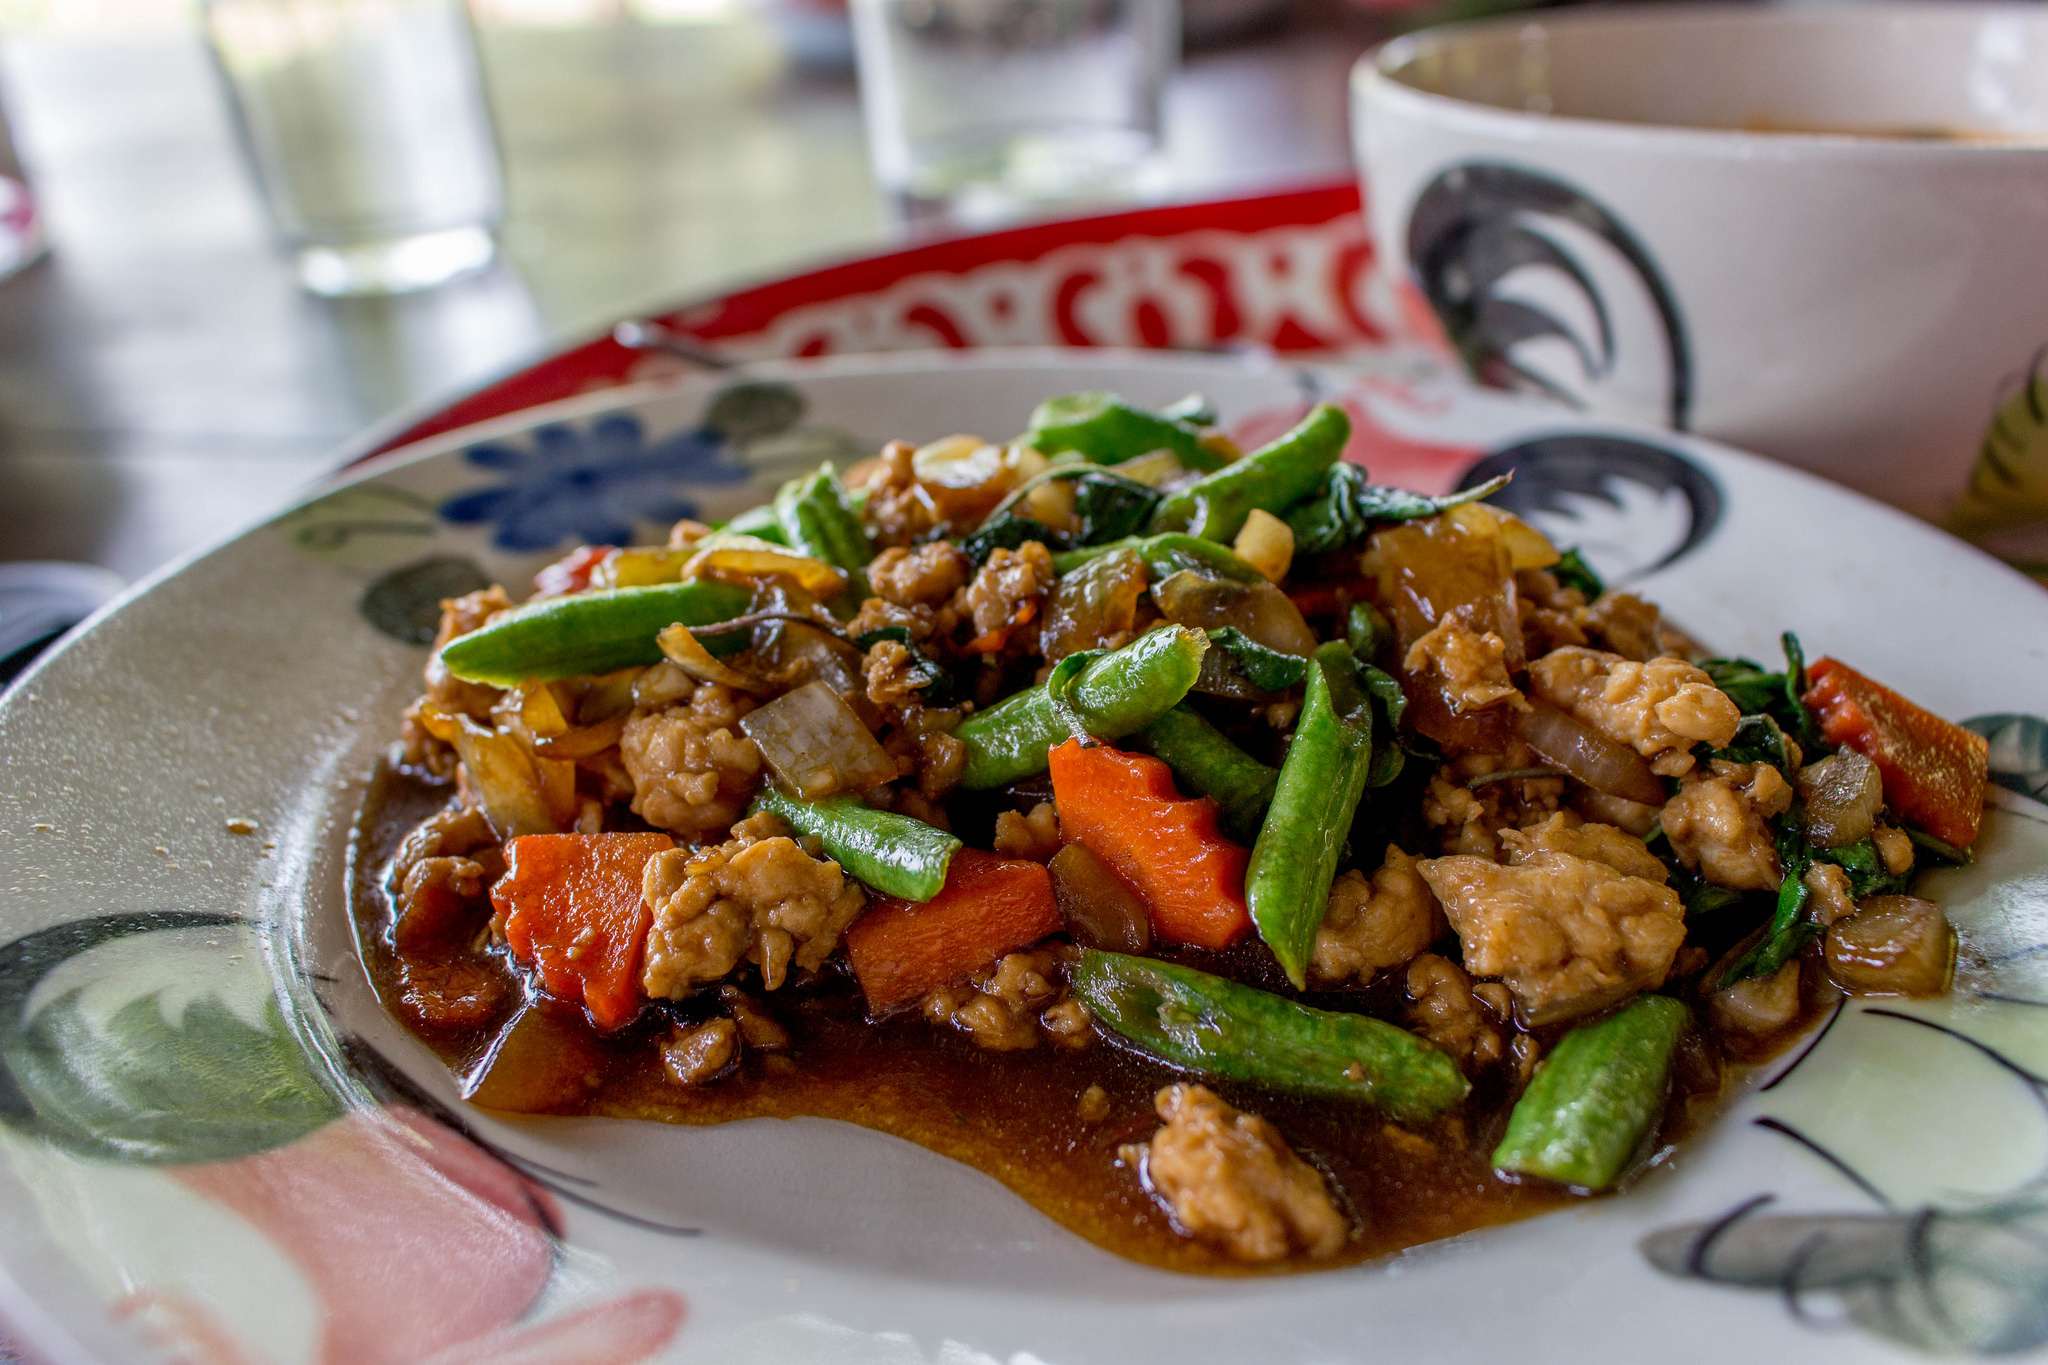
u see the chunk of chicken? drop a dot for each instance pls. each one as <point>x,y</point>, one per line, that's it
<point>1566,833</point>
<point>1004,1006</point>
<point>1470,668</point>
<point>1231,1180</point>
<point>693,771</point>
<point>1447,1011</point>
<point>1660,708</point>
<point>1375,924</point>
<point>922,577</point>
<point>1567,935</point>
<point>1721,825</point>
<point>765,901</point>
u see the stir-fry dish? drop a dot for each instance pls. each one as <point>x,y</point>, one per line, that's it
<point>1249,864</point>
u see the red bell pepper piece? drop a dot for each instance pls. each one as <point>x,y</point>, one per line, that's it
<point>1166,847</point>
<point>902,950</point>
<point>1933,770</point>
<point>571,906</point>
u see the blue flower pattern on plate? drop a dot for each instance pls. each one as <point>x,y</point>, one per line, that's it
<point>590,485</point>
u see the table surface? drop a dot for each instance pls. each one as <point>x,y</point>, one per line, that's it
<point>163,381</point>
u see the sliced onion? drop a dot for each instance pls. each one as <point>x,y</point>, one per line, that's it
<point>520,795</point>
<point>1892,945</point>
<point>816,745</point>
<point>1099,909</point>
<point>1588,755</point>
<point>1843,794</point>
<point>1092,604</point>
<point>683,650</point>
<point>744,558</point>
<point>585,741</point>
<point>641,567</point>
<point>1264,613</point>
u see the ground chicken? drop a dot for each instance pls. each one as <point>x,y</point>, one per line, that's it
<point>1721,825</point>
<point>1623,623</point>
<point>1469,818</point>
<point>439,902</point>
<point>1376,924</point>
<point>922,623</point>
<point>899,509</point>
<point>1833,897</point>
<point>1231,1180</point>
<point>693,1056</point>
<point>1035,836</point>
<point>1005,1005</point>
<point>922,743</point>
<point>922,577</point>
<point>1660,708</point>
<point>893,675</point>
<point>1895,848</point>
<point>1568,935</point>
<point>1470,668</point>
<point>460,616</point>
<point>1448,1012</point>
<point>1009,588</point>
<point>1759,1004</point>
<point>693,771</point>
<point>767,902</point>
<point>1566,833</point>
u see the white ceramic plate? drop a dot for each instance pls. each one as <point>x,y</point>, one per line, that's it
<point>192,1157</point>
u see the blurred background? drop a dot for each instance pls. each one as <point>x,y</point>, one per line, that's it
<point>164,378</point>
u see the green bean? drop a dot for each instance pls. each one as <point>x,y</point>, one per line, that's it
<point>818,520</point>
<point>1165,556</point>
<point>1113,695</point>
<point>1108,430</point>
<point>1291,468</point>
<point>1594,1097</point>
<point>894,854</point>
<point>1234,1032</point>
<point>591,632</point>
<point>1287,882</point>
<point>1208,764</point>
<point>759,522</point>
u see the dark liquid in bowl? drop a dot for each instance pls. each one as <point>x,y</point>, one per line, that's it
<point>1013,1115</point>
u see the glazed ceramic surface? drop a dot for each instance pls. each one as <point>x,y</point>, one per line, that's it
<point>214,1139</point>
<point>1586,202</point>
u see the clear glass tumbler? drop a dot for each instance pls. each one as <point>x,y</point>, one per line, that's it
<point>987,108</point>
<point>367,127</point>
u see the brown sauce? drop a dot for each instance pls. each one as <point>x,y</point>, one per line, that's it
<point>1014,1116</point>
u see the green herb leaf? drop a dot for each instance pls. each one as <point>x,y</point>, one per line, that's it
<point>1004,531</point>
<point>1110,507</point>
<point>1777,695</point>
<point>1867,875</point>
<point>932,680</point>
<point>1366,629</point>
<point>1344,509</point>
<point>1789,928</point>
<point>1573,572</point>
<point>1264,668</point>
<point>1390,751</point>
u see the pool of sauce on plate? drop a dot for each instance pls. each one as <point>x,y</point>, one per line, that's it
<point>1016,1115</point>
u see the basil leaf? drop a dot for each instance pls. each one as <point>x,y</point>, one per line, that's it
<point>1573,572</point>
<point>1110,508</point>
<point>1867,875</point>
<point>1004,531</point>
<point>927,675</point>
<point>1390,753</point>
<point>1267,669</point>
<point>1778,695</point>
<point>1343,511</point>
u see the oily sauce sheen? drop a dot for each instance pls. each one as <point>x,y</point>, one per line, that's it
<point>1016,1115</point>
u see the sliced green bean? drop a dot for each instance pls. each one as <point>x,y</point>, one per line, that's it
<point>1208,764</point>
<point>1594,1098</point>
<point>1165,556</point>
<point>894,854</point>
<point>1272,477</point>
<point>1234,1032</point>
<point>759,522</point>
<point>1113,695</point>
<point>1287,882</point>
<point>1108,430</point>
<point>818,520</point>
<point>591,632</point>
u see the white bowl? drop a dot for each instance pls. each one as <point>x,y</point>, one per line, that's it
<point>1720,219</point>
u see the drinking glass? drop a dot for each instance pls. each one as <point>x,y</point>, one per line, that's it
<point>987,108</point>
<point>366,126</point>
